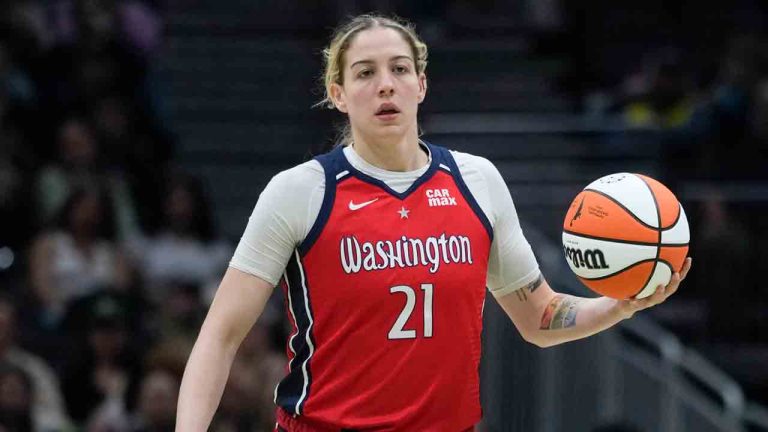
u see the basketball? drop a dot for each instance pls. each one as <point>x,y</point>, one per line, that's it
<point>624,235</point>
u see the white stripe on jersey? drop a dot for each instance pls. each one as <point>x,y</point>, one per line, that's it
<point>296,323</point>
<point>341,174</point>
<point>309,340</point>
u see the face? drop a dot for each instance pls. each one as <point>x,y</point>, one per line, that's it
<point>381,89</point>
<point>76,144</point>
<point>87,213</point>
<point>157,397</point>
<point>180,207</point>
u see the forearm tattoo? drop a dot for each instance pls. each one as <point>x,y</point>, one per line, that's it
<point>560,313</point>
<point>530,288</point>
<point>535,284</point>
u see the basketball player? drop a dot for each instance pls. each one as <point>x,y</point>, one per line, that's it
<point>387,244</point>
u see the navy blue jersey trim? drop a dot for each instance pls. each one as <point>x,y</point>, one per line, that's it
<point>331,163</point>
<point>448,160</point>
<point>376,182</point>
<point>291,394</point>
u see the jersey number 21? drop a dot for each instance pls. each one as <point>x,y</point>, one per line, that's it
<point>397,331</point>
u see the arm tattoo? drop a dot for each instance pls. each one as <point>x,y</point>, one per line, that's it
<point>560,313</point>
<point>521,295</point>
<point>535,284</point>
<point>531,287</point>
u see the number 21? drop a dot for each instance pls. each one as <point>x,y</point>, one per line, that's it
<point>397,331</point>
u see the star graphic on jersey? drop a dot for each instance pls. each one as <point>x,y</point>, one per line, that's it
<point>403,213</point>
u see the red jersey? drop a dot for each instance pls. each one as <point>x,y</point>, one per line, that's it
<point>385,295</point>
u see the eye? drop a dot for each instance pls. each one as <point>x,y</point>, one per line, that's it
<point>400,69</point>
<point>365,73</point>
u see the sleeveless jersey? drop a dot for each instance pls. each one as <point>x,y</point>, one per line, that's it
<point>385,296</point>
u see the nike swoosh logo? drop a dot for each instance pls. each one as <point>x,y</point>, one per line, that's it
<point>353,206</point>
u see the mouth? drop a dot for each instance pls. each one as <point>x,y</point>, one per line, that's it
<point>387,110</point>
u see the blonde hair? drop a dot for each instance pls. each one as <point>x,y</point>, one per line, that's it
<point>333,54</point>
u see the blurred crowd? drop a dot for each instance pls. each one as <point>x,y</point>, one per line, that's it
<point>108,252</point>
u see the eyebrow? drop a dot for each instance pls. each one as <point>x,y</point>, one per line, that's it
<point>371,61</point>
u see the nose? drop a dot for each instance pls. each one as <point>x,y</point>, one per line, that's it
<point>386,85</point>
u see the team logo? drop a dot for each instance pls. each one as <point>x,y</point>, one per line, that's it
<point>440,197</point>
<point>591,258</point>
<point>578,212</point>
<point>353,206</point>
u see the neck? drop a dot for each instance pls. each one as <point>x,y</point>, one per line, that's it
<point>392,154</point>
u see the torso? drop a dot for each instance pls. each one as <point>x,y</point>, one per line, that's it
<point>386,295</point>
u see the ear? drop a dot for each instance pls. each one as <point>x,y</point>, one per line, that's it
<point>338,97</point>
<point>422,87</point>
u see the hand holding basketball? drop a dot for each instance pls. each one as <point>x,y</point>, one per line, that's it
<point>624,235</point>
<point>627,308</point>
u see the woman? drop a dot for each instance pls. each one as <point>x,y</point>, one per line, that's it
<point>387,244</point>
<point>78,257</point>
<point>185,251</point>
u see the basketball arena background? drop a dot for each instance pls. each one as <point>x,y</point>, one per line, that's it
<point>136,136</point>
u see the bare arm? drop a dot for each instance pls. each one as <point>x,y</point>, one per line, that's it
<point>239,301</point>
<point>546,318</point>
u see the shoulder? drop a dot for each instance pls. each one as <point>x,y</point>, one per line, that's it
<point>300,181</point>
<point>469,159</point>
<point>473,165</point>
<point>309,172</point>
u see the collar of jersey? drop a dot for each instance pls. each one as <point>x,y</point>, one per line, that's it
<point>434,163</point>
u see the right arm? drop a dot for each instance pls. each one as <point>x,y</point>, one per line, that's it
<point>237,305</point>
<point>285,211</point>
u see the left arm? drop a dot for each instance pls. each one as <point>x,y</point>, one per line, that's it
<point>547,318</point>
<point>542,316</point>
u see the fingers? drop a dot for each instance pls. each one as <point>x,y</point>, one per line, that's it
<point>674,283</point>
<point>686,267</point>
<point>657,297</point>
<point>660,295</point>
<point>662,292</point>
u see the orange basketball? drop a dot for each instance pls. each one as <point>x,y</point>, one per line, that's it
<point>624,235</point>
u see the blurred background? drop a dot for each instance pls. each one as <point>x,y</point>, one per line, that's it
<point>136,136</point>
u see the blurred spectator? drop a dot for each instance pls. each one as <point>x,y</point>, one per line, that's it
<point>142,27</point>
<point>247,402</point>
<point>156,407</point>
<point>16,394</point>
<point>130,24</point>
<point>131,143</point>
<point>659,95</point>
<point>104,47</point>
<point>185,251</point>
<point>720,134</point>
<point>79,166</point>
<point>181,314</point>
<point>723,247</point>
<point>78,256</point>
<point>46,403</point>
<point>16,156</point>
<point>105,369</point>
